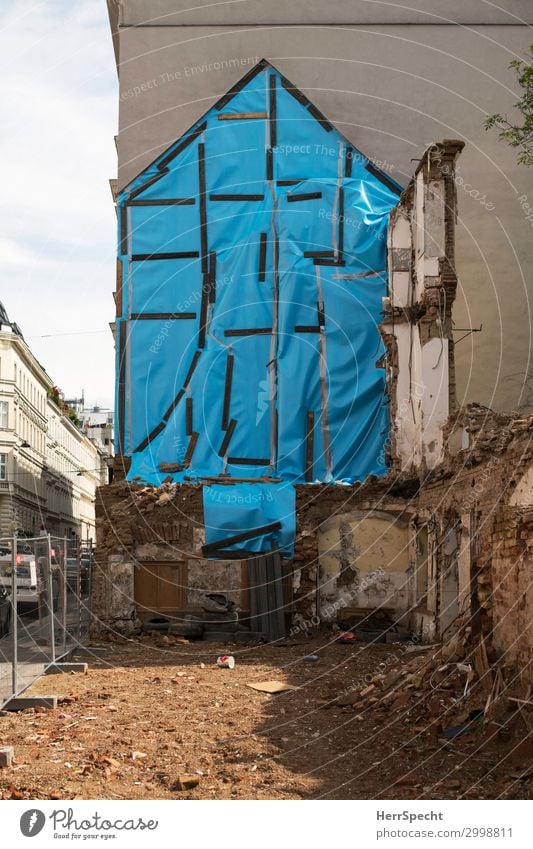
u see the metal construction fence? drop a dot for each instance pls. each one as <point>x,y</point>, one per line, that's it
<point>45,591</point>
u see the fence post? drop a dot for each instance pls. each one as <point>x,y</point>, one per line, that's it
<point>89,592</point>
<point>14,620</point>
<point>78,590</point>
<point>51,599</point>
<point>65,595</point>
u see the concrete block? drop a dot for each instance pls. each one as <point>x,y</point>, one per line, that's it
<point>6,756</point>
<point>26,702</point>
<point>90,651</point>
<point>58,668</point>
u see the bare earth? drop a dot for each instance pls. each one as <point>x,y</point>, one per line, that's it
<point>149,713</point>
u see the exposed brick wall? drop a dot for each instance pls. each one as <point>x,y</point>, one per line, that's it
<point>477,482</point>
<point>129,516</point>
<point>480,481</point>
<point>168,521</point>
<point>512,586</point>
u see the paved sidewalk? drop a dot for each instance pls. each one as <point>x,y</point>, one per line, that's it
<point>33,651</point>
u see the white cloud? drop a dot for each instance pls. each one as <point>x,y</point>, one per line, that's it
<point>57,249</point>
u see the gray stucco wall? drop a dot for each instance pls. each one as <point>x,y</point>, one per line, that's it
<point>392,80</point>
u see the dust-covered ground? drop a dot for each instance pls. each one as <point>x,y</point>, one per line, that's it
<point>150,718</point>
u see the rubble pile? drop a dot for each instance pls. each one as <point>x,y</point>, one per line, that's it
<point>448,691</point>
<point>489,432</point>
<point>132,514</point>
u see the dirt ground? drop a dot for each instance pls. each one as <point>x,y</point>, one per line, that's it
<point>147,713</point>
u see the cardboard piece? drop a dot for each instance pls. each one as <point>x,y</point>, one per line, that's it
<point>272,686</point>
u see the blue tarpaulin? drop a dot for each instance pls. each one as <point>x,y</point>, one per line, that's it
<point>229,510</point>
<point>252,264</point>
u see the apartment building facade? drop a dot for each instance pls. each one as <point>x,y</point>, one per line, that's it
<point>49,469</point>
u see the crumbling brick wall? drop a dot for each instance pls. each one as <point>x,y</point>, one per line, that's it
<point>512,587</point>
<point>131,518</point>
<point>135,521</point>
<point>417,325</point>
<point>482,485</point>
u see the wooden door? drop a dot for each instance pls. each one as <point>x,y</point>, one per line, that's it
<point>160,588</point>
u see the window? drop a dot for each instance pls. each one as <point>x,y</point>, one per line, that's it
<point>4,411</point>
<point>3,467</point>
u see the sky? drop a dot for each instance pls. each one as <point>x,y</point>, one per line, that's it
<point>57,240</point>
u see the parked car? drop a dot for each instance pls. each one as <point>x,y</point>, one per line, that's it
<point>5,612</point>
<point>27,579</point>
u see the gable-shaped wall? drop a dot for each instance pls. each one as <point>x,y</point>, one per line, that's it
<point>253,267</point>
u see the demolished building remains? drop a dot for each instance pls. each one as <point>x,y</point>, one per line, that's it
<point>357,494</point>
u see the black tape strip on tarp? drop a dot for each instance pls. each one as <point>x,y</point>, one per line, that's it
<point>230,198</point>
<point>146,442</point>
<point>223,450</point>
<point>319,254</point>
<point>291,182</point>
<point>262,257</point>
<point>179,467</point>
<point>123,344</point>
<point>321,314</point>
<point>162,165</point>
<point>249,331</point>
<point>272,118</point>
<point>295,92</point>
<point>162,316</point>
<point>318,116</point>
<point>190,449</point>
<point>174,404</point>
<point>269,164</point>
<point>340,230</point>
<point>307,328</point>
<point>304,196</point>
<point>203,312</point>
<point>235,89</point>
<point>197,355</point>
<point>249,461</point>
<point>203,206</point>
<point>227,391</point>
<point>181,393</point>
<point>383,178</point>
<point>123,230</point>
<point>340,263</point>
<point>166,255</point>
<point>348,162</point>
<point>144,186</point>
<point>213,547</point>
